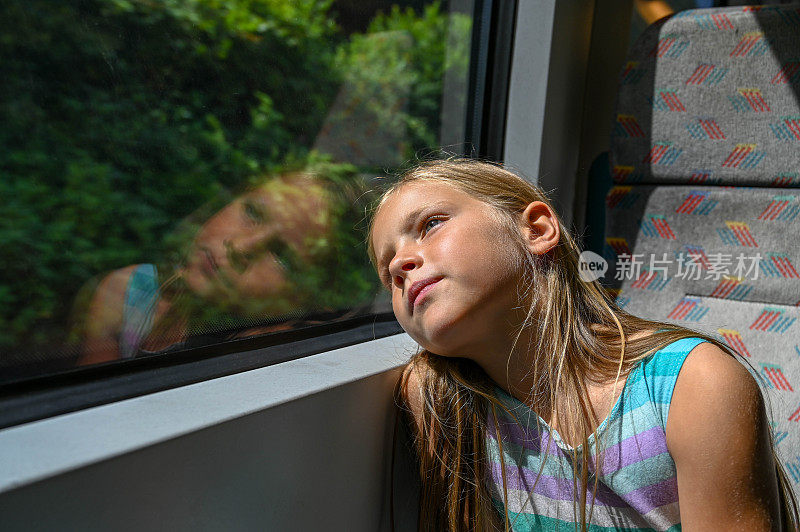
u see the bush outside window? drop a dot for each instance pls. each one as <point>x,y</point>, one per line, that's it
<point>180,172</point>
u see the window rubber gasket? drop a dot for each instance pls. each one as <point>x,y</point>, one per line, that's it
<point>33,399</point>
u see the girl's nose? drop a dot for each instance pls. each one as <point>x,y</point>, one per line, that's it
<point>238,259</point>
<point>404,262</point>
<point>244,249</point>
<point>251,243</point>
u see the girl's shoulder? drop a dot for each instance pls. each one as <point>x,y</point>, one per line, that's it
<point>669,359</point>
<point>718,434</point>
<point>106,312</point>
<point>690,371</point>
<point>653,380</point>
<point>709,373</point>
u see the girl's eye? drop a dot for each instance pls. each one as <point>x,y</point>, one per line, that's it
<point>253,214</point>
<point>431,223</point>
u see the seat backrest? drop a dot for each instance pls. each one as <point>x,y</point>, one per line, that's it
<point>703,222</point>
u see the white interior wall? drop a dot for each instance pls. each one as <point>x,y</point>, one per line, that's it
<point>304,445</point>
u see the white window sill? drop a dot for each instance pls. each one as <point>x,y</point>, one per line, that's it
<point>42,449</point>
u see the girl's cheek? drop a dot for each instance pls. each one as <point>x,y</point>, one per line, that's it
<point>396,301</point>
<point>456,249</point>
<point>262,279</point>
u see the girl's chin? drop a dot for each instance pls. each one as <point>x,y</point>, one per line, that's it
<point>196,281</point>
<point>456,333</point>
<point>444,341</point>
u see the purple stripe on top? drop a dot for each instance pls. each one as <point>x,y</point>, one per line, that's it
<point>648,498</point>
<point>561,489</point>
<point>641,446</point>
<point>646,444</point>
<point>643,500</point>
<point>637,473</point>
<point>534,438</point>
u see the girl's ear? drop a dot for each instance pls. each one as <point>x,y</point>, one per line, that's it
<point>540,228</point>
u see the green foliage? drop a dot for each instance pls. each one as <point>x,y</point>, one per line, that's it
<point>339,275</point>
<point>398,66</point>
<point>120,117</point>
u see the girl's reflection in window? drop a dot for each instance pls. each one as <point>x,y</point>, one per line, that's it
<point>257,259</point>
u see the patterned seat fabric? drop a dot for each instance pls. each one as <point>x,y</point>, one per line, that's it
<point>703,225</point>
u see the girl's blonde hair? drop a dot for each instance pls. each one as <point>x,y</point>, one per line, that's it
<point>580,335</point>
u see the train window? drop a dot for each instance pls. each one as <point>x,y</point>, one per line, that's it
<point>176,174</point>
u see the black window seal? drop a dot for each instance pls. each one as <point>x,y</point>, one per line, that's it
<point>490,78</point>
<point>38,398</point>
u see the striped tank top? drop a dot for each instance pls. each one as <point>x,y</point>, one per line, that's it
<point>637,486</point>
<point>139,308</point>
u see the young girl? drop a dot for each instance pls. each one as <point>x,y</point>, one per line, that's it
<point>537,404</point>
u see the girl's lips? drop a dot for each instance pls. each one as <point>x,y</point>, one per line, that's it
<point>419,289</point>
<point>209,264</point>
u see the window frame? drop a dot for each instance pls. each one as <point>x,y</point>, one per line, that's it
<point>180,438</point>
<point>38,397</point>
<point>562,93</point>
<point>85,387</point>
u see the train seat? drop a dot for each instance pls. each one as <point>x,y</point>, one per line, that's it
<point>703,220</point>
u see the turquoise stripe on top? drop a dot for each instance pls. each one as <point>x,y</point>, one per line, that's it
<point>141,297</point>
<point>637,483</point>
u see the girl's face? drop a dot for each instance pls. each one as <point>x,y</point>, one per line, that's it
<point>452,268</point>
<point>233,255</point>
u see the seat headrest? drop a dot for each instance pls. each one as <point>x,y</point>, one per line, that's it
<point>711,96</point>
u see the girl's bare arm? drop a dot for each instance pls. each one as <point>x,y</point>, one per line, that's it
<point>104,318</point>
<point>718,435</point>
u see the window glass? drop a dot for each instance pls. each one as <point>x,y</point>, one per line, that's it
<point>182,172</point>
